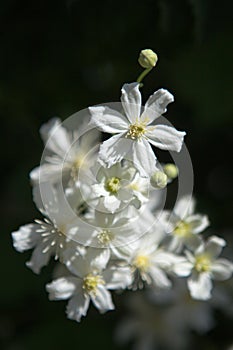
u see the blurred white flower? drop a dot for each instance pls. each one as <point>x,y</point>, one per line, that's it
<point>66,150</point>
<point>206,266</point>
<point>52,235</point>
<point>183,225</point>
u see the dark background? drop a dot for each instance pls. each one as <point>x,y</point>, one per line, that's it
<point>58,57</point>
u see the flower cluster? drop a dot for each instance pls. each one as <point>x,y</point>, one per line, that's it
<point>102,208</point>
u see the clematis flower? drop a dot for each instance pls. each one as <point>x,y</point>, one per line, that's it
<point>91,281</point>
<point>135,131</point>
<point>66,152</point>
<point>51,236</point>
<point>149,261</point>
<point>183,225</point>
<point>118,186</point>
<point>206,266</point>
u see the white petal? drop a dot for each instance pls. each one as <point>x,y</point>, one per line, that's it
<point>108,120</point>
<point>222,269</point>
<point>98,258</point>
<point>159,277</point>
<point>77,306</point>
<point>214,246</point>
<point>143,157</point>
<point>62,288</point>
<point>39,258</point>
<point>200,286</point>
<point>131,101</point>
<point>156,105</point>
<point>94,259</point>
<point>99,190</point>
<point>117,278</point>
<point>184,207</point>
<point>56,137</point>
<point>198,223</point>
<point>174,244</point>
<point>102,300</point>
<point>25,238</point>
<point>111,203</point>
<point>165,137</point>
<point>182,267</point>
<point>115,149</point>
<point>46,172</point>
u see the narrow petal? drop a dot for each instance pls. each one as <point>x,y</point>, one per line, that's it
<point>46,172</point>
<point>198,223</point>
<point>156,105</point>
<point>181,266</point>
<point>118,278</point>
<point>39,258</point>
<point>214,246</point>
<point>174,244</point>
<point>62,288</point>
<point>200,286</point>
<point>165,137</point>
<point>102,300</point>
<point>222,269</point>
<point>56,137</point>
<point>184,207</point>
<point>26,237</point>
<point>131,101</point>
<point>159,277</point>
<point>77,306</point>
<point>114,149</point>
<point>108,120</point>
<point>143,157</point>
<point>111,203</point>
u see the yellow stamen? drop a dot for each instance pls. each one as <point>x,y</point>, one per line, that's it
<point>202,263</point>
<point>182,229</point>
<point>136,131</point>
<point>141,262</point>
<point>105,237</point>
<point>112,185</point>
<point>90,283</point>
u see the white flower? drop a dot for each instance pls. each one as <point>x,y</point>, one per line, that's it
<point>117,187</point>
<point>149,261</point>
<point>53,235</point>
<point>134,132</point>
<point>183,225</point>
<point>206,266</point>
<point>67,151</point>
<point>90,282</point>
<point>114,233</point>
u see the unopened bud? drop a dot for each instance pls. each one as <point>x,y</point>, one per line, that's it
<point>158,180</point>
<point>171,170</point>
<point>147,58</point>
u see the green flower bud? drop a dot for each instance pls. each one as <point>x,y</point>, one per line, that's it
<point>171,170</point>
<point>147,58</point>
<point>158,180</point>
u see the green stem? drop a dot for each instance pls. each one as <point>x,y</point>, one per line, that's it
<point>143,74</point>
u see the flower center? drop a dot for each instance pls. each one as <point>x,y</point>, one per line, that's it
<point>202,263</point>
<point>182,229</point>
<point>136,131</point>
<point>90,283</point>
<point>141,262</point>
<point>105,237</point>
<point>76,165</point>
<point>112,185</point>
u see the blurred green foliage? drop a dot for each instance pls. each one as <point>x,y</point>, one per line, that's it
<point>58,57</point>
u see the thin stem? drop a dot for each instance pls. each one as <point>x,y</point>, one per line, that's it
<point>143,74</point>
